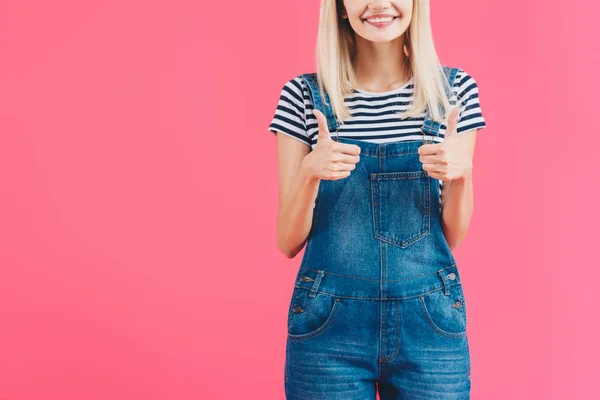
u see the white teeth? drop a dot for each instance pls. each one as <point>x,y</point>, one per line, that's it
<point>376,20</point>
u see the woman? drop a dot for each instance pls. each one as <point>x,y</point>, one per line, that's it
<point>378,186</point>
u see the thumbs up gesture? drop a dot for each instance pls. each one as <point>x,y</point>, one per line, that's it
<point>450,159</point>
<point>329,159</point>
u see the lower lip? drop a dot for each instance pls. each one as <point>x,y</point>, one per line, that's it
<point>381,24</point>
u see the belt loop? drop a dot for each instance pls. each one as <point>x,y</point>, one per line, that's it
<point>316,283</point>
<point>443,278</point>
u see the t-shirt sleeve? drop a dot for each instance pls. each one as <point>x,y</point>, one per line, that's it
<point>467,92</point>
<point>290,114</point>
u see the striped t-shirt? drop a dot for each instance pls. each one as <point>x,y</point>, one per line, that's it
<point>374,114</point>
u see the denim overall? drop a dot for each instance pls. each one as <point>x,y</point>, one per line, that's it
<point>377,304</point>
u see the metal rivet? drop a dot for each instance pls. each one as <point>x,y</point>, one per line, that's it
<point>298,309</point>
<point>305,278</point>
<point>337,299</point>
<point>456,305</point>
<point>451,276</point>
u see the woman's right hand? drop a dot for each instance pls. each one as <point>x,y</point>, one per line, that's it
<point>330,160</point>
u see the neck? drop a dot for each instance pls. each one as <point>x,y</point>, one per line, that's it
<point>380,66</point>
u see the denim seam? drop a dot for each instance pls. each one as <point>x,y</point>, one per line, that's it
<point>336,295</point>
<point>398,327</point>
<point>380,248</point>
<point>390,358</point>
<point>382,327</point>
<point>397,176</point>
<point>378,280</point>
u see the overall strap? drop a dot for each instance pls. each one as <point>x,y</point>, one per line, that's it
<point>429,126</point>
<point>323,106</point>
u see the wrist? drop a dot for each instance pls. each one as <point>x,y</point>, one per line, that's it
<point>306,172</point>
<point>463,180</point>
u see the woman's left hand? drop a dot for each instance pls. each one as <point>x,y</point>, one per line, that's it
<point>450,159</point>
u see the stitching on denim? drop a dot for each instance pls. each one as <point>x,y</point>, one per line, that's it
<point>341,296</point>
<point>398,176</point>
<point>287,367</point>
<point>375,213</point>
<point>379,360</point>
<point>396,154</point>
<point>428,199</point>
<point>403,243</point>
<point>364,152</point>
<point>382,327</point>
<point>381,307</point>
<point>377,280</point>
<point>390,358</point>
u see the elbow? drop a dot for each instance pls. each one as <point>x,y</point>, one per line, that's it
<point>453,244</point>
<point>287,253</point>
<point>285,249</point>
<point>453,236</point>
<point>288,241</point>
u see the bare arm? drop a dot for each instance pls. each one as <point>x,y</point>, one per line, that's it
<point>297,194</point>
<point>457,198</point>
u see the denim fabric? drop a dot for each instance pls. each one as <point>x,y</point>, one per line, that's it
<point>378,303</point>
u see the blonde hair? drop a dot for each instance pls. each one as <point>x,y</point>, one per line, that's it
<point>335,50</point>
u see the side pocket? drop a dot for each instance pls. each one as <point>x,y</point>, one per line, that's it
<point>445,314</point>
<point>311,316</point>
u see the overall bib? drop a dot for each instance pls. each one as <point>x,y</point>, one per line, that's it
<point>378,303</point>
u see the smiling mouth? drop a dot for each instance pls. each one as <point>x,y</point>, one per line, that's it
<point>380,20</point>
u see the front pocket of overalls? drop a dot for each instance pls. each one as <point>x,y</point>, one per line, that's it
<point>310,316</point>
<point>401,206</point>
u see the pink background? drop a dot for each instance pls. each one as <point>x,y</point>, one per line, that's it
<point>139,196</point>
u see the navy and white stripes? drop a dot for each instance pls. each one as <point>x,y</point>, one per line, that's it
<point>374,115</point>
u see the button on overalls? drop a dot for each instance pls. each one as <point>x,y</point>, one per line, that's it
<point>378,303</point>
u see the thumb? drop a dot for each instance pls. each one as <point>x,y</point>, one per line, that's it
<point>323,129</point>
<point>452,123</point>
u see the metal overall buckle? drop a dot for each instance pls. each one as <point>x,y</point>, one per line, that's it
<point>337,128</point>
<point>428,141</point>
